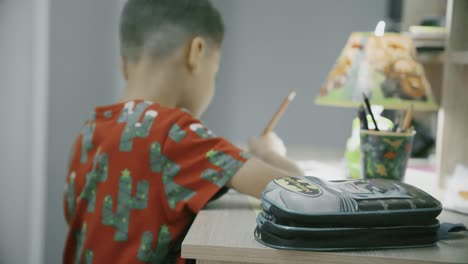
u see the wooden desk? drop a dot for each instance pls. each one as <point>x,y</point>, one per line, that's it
<point>223,233</point>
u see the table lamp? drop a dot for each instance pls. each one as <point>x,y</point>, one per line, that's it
<point>382,66</point>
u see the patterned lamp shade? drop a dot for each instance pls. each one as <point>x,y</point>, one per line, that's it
<point>384,68</point>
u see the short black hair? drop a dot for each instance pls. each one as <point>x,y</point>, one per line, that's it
<point>159,27</point>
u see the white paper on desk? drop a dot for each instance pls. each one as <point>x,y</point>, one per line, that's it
<point>323,170</point>
<point>456,193</point>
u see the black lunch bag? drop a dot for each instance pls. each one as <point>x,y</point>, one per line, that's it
<point>311,214</point>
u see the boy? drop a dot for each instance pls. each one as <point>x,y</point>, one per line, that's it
<point>142,168</point>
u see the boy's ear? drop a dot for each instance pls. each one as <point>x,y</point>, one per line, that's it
<point>196,51</point>
<point>123,68</point>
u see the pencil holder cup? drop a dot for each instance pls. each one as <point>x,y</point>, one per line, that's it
<point>384,155</point>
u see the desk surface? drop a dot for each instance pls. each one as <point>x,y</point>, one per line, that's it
<point>223,233</point>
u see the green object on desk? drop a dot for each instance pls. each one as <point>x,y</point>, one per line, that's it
<point>385,154</point>
<point>353,150</point>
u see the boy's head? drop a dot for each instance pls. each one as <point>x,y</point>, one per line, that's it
<point>181,36</point>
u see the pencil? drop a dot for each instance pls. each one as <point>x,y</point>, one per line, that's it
<point>408,119</point>
<point>272,124</point>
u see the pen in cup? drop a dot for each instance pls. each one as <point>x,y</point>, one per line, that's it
<point>369,110</point>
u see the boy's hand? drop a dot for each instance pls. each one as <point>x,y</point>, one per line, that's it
<point>270,163</point>
<point>270,149</point>
<point>264,145</point>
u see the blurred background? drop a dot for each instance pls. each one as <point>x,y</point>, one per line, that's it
<point>59,59</point>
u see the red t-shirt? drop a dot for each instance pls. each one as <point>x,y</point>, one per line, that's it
<point>138,174</point>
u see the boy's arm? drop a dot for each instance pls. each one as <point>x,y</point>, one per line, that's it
<point>282,163</point>
<point>254,176</point>
<point>271,164</point>
<point>270,148</point>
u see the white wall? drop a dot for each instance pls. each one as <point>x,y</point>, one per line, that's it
<point>82,75</point>
<point>272,46</point>
<point>16,38</point>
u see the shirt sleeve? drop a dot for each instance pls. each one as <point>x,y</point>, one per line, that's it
<point>197,164</point>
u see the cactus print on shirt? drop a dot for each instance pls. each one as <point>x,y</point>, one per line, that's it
<point>139,174</point>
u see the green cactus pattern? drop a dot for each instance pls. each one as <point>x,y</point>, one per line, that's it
<point>70,195</point>
<point>245,155</point>
<point>169,169</point>
<point>97,174</point>
<point>202,131</point>
<point>87,133</point>
<point>135,129</point>
<point>89,257</point>
<point>126,203</point>
<point>108,114</point>
<point>176,133</point>
<point>214,177</point>
<point>145,254</point>
<point>80,240</point>
<point>228,164</point>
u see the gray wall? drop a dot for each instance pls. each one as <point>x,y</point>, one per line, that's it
<point>272,46</point>
<point>82,75</point>
<point>15,138</point>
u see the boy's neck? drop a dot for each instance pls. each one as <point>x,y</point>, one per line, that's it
<point>150,84</point>
<point>138,92</point>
